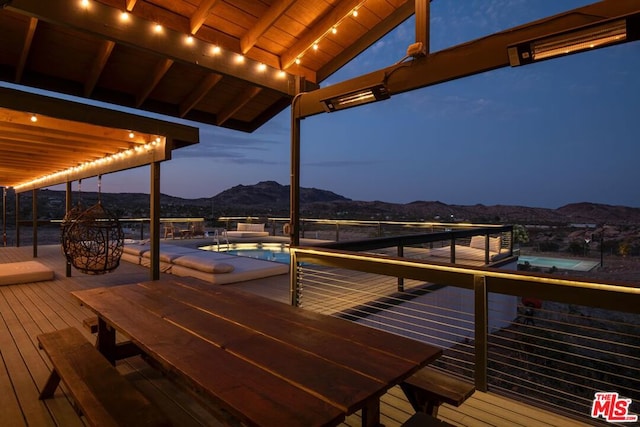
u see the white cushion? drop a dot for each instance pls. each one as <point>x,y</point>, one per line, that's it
<point>202,263</point>
<point>477,242</point>
<point>24,272</point>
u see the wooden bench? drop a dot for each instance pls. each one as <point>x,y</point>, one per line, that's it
<point>91,323</point>
<point>421,419</point>
<point>100,393</point>
<point>428,388</point>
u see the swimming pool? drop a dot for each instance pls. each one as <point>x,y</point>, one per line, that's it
<point>278,252</point>
<point>561,263</point>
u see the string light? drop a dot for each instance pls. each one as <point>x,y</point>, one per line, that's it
<point>33,118</point>
<point>315,46</point>
<point>132,135</point>
<point>334,30</point>
<point>215,49</point>
<point>91,163</point>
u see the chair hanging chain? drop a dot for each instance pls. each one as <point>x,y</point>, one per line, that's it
<point>99,188</point>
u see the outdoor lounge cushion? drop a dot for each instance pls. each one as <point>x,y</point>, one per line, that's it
<point>24,272</point>
<point>495,243</point>
<point>205,262</point>
<point>244,268</point>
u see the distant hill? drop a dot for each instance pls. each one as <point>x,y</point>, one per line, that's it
<point>269,198</point>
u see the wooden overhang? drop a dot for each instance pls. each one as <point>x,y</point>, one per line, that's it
<point>46,141</point>
<point>230,63</point>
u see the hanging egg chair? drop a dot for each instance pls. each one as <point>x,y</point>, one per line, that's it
<point>92,239</point>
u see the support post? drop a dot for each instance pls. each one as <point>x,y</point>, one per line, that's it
<point>422,23</point>
<point>17,220</point>
<point>294,187</point>
<point>67,207</point>
<point>4,216</point>
<point>154,223</point>
<point>481,330</point>
<point>34,220</point>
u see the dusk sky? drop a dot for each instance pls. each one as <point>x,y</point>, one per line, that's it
<point>542,135</point>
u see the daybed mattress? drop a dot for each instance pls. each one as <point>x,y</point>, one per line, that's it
<point>243,268</point>
<point>465,253</point>
<point>24,272</point>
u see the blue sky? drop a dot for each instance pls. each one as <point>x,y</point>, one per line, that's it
<point>543,135</point>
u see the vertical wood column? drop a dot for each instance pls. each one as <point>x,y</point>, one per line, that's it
<point>34,220</point>
<point>154,223</point>
<point>422,23</point>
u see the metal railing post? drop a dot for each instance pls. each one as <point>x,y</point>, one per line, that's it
<point>481,310</point>
<point>294,282</point>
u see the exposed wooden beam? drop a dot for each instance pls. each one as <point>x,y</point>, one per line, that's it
<point>198,93</point>
<point>200,15</point>
<point>276,10</point>
<point>158,73</point>
<point>98,65</point>
<point>470,58</point>
<point>130,5</point>
<point>240,102</point>
<point>422,23</point>
<point>26,47</point>
<point>317,31</point>
<point>368,39</point>
<point>104,22</point>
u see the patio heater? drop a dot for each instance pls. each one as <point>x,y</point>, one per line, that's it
<point>593,36</point>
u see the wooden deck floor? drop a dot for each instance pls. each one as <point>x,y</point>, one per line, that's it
<point>30,309</point>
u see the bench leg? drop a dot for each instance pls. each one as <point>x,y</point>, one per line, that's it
<point>418,401</point>
<point>51,385</point>
<point>371,413</point>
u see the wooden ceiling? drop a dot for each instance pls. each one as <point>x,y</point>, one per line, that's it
<point>144,58</point>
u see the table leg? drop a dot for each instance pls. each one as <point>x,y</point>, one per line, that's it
<point>371,413</point>
<point>106,342</point>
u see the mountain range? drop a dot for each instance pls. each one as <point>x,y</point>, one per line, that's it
<point>269,198</point>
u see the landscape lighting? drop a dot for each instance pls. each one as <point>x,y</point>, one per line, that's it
<point>593,36</point>
<point>375,93</point>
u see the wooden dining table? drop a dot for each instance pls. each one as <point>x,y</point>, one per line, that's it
<point>265,362</point>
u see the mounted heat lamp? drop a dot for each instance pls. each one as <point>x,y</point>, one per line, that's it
<point>375,93</point>
<point>592,36</point>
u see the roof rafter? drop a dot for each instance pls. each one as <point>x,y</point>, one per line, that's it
<point>240,102</point>
<point>106,47</point>
<point>26,47</point>
<point>158,73</point>
<point>199,92</point>
<point>200,15</point>
<point>275,11</point>
<point>317,31</point>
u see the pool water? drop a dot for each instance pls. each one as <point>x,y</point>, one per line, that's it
<point>277,252</point>
<point>561,263</point>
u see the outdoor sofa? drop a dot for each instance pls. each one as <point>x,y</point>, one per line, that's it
<point>475,251</point>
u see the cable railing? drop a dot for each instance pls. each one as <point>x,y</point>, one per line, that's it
<point>546,340</point>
